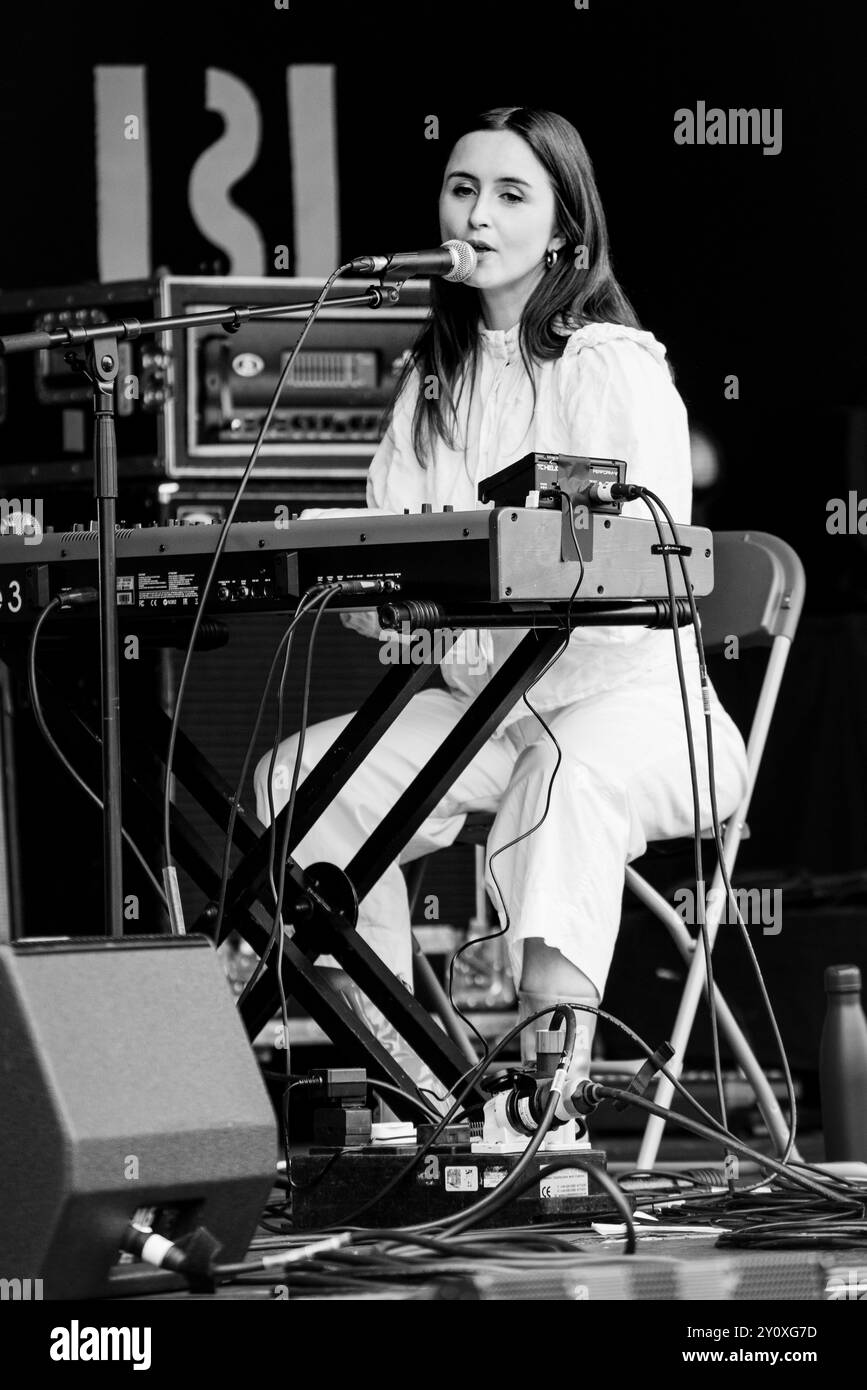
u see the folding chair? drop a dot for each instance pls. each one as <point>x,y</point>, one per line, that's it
<point>757,598</point>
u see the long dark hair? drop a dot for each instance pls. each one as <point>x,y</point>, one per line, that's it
<point>568,294</point>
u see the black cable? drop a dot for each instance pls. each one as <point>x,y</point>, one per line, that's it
<point>427,1110</point>
<point>780,1218</point>
<point>218,552</point>
<point>315,1181</point>
<point>694,1181</point>
<point>390,1260</point>
<point>275,924</point>
<point>497,1242</point>
<point>706,1132</point>
<point>744,1210</point>
<point>853,1237</point>
<point>272,763</point>
<point>289,809</point>
<point>318,597</point>
<point>650,1054</point>
<point>418,1239</point>
<point>56,605</point>
<point>303,607</point>
<point>841,1181</point>
<point>277,927</point>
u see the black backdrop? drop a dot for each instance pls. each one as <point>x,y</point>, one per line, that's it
<point>742,263</point>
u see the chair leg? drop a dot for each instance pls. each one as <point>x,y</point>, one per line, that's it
<point>696,983</point>
<point>767,1102</point>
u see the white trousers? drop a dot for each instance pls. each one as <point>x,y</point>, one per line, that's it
<point>623,781</point>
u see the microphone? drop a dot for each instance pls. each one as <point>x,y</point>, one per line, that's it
<point>454,260</point>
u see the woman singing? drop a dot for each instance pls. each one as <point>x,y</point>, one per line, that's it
<point>539,350</point>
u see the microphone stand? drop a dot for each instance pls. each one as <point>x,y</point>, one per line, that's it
<point>102,358</point>
<point>101,367</point>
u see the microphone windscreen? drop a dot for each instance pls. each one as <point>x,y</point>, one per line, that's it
<point>465,261</point>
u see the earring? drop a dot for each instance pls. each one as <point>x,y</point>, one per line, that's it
<point>551,259</point>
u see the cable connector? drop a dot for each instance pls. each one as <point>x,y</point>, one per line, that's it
<point>306,1252</point>
<point>192,1256</point>
<point>366,586</point>
<point>584,1099</point>
<point>608,492</point>
<point>78,598</point>
<point>153,1249</point>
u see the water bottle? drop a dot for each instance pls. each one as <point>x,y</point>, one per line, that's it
<point>843,1065</point>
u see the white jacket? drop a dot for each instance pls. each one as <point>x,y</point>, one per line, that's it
<point>610,395</point>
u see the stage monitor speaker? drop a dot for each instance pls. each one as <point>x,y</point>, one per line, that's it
<point>128,1090</point>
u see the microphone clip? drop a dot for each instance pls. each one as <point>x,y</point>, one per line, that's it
<point>642,1079</point>
<point>390,287</point>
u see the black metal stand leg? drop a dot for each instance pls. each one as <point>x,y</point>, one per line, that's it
<point>328,933</point>
<point>455,753</point>
<point>328,778</point>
